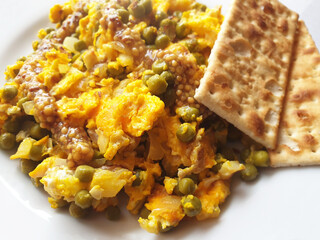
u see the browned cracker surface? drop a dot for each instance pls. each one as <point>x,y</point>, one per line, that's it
<point>299,133</point>
<point>247,72</point>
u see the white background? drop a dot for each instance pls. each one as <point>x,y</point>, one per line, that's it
<point>283,204</point>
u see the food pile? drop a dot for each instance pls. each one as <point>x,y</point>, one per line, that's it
<point>105,104</point>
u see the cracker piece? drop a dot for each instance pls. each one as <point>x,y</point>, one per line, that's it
<point>247,72</point>
<point>299,132</point>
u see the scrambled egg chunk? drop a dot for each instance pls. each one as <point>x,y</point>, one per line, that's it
<point>166,211</point>
<point>60,181</point>
<point>205,24</point>
<point>131,113</point>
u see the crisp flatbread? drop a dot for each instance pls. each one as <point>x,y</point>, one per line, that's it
<point>247,71</point>
<point>299,132</point>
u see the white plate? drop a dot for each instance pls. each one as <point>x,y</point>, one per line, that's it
<point>282,204</point>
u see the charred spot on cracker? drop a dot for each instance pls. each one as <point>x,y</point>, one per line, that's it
<point>223,81</point>
<point>283,25</point>
<point>257,124</point>
<point>253,32</point>
<point>302,96</point>
<point>309,140</point>
<point>268,8</point>
<point>303,115</point>
<point>261,22</point>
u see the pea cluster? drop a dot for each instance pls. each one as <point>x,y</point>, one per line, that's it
<point>253,159</point>
<point>36,152</point>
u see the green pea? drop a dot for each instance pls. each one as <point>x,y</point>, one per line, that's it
<point>191,205</point>
<point>83,199</point>
<point>84,173</point>
<point>98,159</point>
<point>76,211</point>
<point>157,85</point>
<point>169,97</point>
<point>7,141</point>
<point>144,213</point>
<point>169,77</point>
<point>159,16</point>
<point>177,191</point>
<point>113,213</point>
<point>123,14</point>
<point>187,113</point>
<point>146,75</point>
<point>245,154</point>
<point>137,10</point>
<point>37,132</point>
<point>186,132</point>
<point>162,41</point>
<point>12,125</point>
<point>9,92</point>
<point>192,44</point>
<point>98,162</point>
<point>36,181</point>
<point>27,166</point>
<point>199,6</point>
<point>167,23</point>
<point>159,66</point>
<point>147,4</point>
<point>182,30</point>
<point>186,186</point>
<point>122,76</point>
<point>168,27</point>
<point>249,173</point>
<point>97,154</point>
<point>114,69</point>
<point>60,202</point>
<point>36,152</point>
<point>260,158</point>
<point>199,58</point>
<point>138,180</point>
<point>80,45</point>
<point>149,34</point>
<point>217,167</point>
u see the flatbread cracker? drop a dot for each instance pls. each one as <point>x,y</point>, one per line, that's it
<point>246,77</point>
<point>299,132</point>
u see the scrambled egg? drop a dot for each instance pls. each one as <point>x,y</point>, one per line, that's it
<point>59,181</point>
<point>94,83</point>
<point>166,211</point>
<point>131,113</point>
